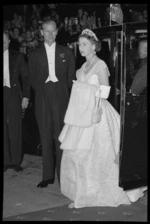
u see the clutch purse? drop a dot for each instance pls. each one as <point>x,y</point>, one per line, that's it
<point>97,113</point>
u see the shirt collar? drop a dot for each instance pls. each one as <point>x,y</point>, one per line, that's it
<point>52,47</point>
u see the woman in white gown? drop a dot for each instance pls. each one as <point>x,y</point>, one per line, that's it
<point>89,171</point>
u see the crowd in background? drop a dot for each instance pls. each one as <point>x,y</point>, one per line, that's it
<point>24,30</point>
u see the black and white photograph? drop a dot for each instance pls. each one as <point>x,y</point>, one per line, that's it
<point>75,112</point>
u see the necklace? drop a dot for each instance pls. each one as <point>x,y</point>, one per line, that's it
<point>87,67</point>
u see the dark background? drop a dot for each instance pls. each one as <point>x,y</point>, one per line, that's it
<point>70,9</point>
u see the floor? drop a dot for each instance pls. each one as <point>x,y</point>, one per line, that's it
<point>22,200</point>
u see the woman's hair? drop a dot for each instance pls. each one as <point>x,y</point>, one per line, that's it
<point>90,35</point>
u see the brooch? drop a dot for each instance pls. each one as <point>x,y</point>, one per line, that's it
<point>62,55</point>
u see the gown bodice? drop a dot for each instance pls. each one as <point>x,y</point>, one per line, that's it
<point>91,77</point>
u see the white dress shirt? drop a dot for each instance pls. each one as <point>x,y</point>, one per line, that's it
<point>50,50</point>
<point>6,76</point>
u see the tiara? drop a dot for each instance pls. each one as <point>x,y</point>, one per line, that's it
<point>89,33</point>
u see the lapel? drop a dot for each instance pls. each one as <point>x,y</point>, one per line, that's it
<point>44,61</point>
<point>58,61</point>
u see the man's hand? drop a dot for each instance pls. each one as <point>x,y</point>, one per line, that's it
<point>25,102</point>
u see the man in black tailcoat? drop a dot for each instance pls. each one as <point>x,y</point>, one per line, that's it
<point>16,98</point>
<point>52,69</point>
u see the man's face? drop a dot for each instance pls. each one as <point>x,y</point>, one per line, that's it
<point>143,49</point>
<point>49,32</point>
<point>6,42</point>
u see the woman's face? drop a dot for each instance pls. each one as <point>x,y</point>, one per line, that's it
<point>85,46</point>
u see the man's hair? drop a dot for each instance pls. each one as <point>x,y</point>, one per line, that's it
<point>46,22</point>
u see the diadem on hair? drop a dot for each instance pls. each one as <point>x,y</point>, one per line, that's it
<point>90,33</point>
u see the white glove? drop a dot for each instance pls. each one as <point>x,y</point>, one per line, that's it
<point>25,102</point>
<point>103,91</point>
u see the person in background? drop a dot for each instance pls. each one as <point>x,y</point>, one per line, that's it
<point>139,88</point>
<point>52,69</point>
<point>139,83</point>
<point>16,99</point>
<point>90,137</point>
<point>16,39</point>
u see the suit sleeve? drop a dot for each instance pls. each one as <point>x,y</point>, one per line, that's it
<point>24,73</point>
<point>71,68</point>
<point>32,69</point>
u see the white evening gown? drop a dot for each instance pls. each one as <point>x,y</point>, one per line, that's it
<point>89,175</point>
